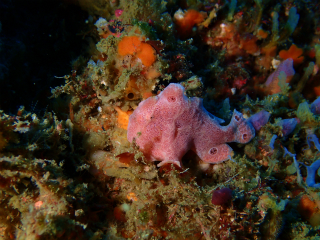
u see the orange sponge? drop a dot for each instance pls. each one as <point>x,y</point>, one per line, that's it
<point>123,118</point>
<point>146,54</point>
<point>129,45</point>
<point>191,18</point>
<point>187,22</point>
<point>317,90</point>
<point>262,34</point>
<point>293,52</point>
<point>132,45</point>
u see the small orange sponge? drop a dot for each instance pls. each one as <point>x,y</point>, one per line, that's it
<point>144,51</point>
<point>123,118</point>
<point>146,54</point>
<point>189,20</point>
<point>129,45</point>
<point>293,52</point>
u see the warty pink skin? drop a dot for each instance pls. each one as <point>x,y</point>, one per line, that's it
<point>165,127</point>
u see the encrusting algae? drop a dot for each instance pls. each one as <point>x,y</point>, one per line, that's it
<point>163,80</point>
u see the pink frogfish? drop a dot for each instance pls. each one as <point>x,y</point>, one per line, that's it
<point>167,126</point>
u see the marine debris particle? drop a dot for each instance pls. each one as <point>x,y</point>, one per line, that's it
<point>165,127</point>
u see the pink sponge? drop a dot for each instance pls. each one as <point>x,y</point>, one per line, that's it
<point>165,127</point>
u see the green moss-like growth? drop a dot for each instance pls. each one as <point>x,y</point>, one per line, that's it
<point>142,10</point>
<point>145,28</point>
<point>304,113</point>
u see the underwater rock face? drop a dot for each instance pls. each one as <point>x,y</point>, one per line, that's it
<point>165,127</point>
